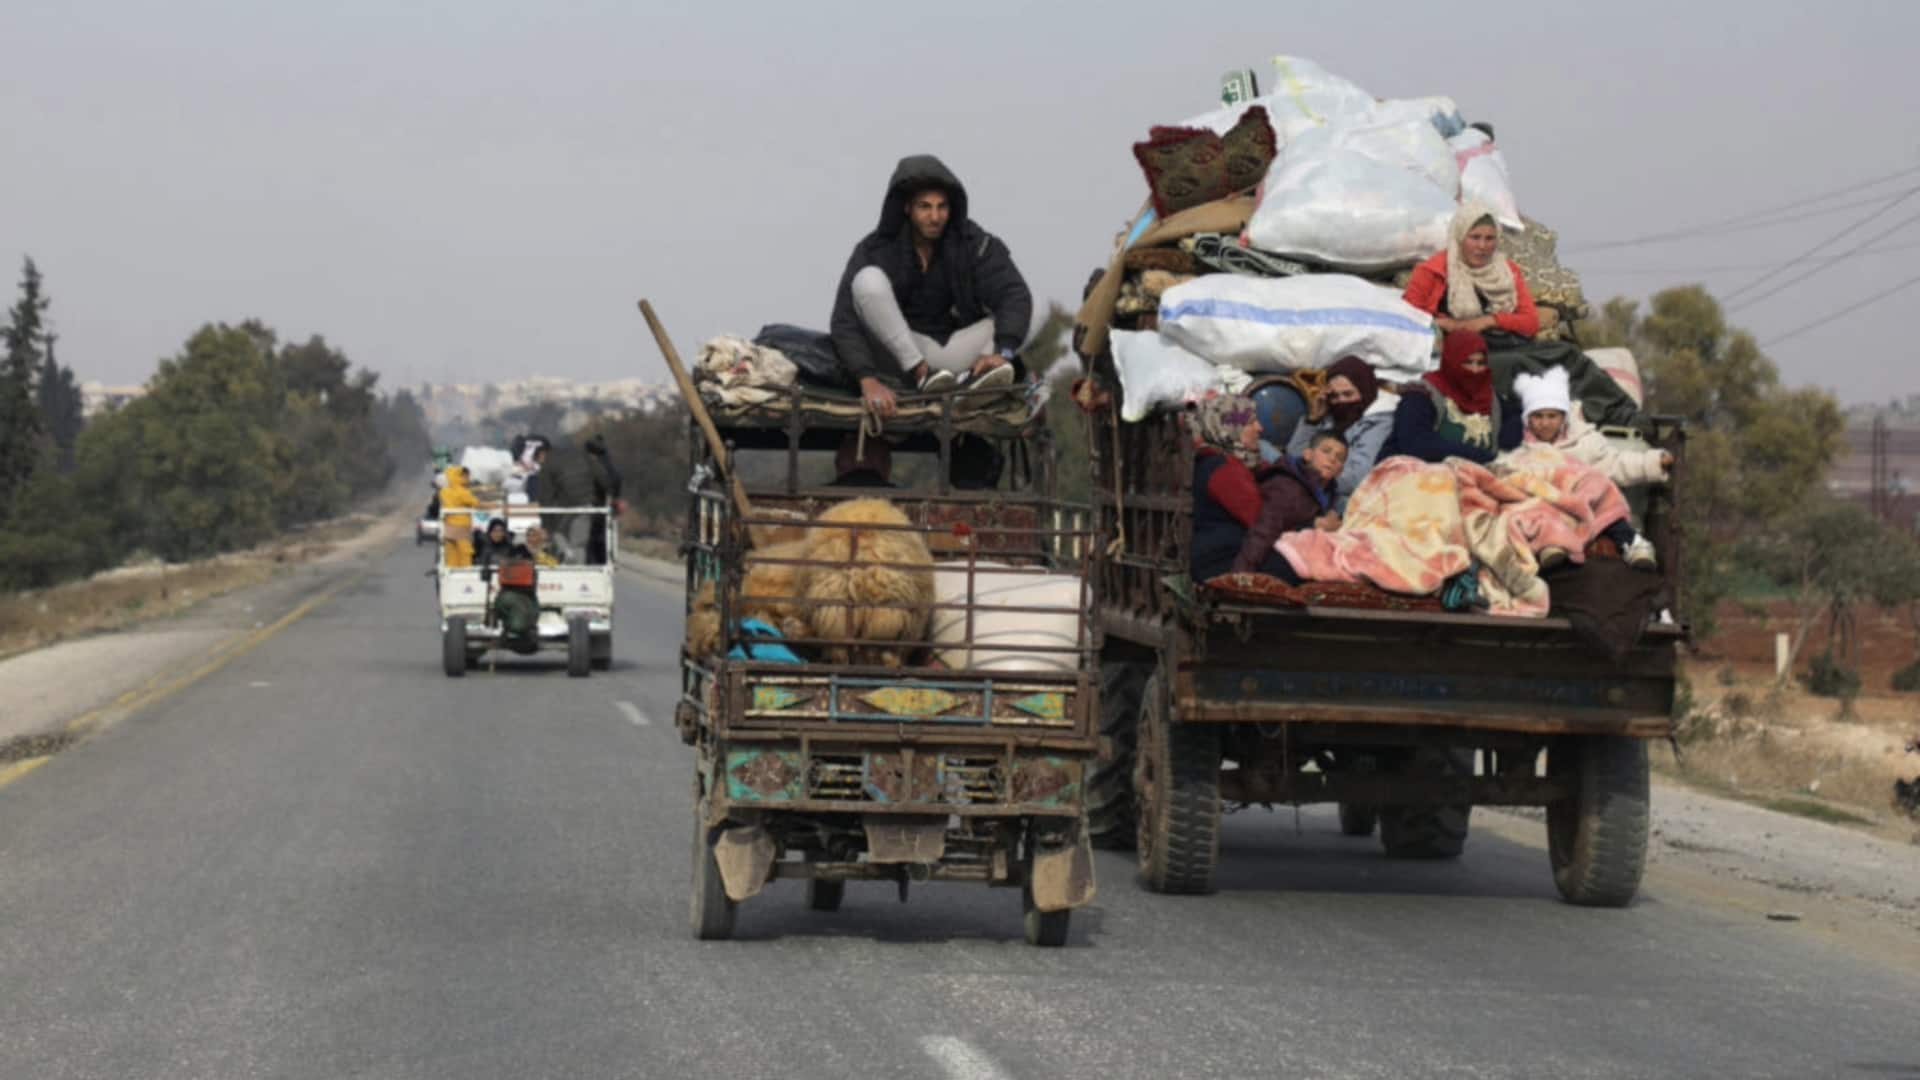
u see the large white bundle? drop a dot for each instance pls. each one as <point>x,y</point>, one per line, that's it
<point>1442,112</point>
<point>1619,364</point>
<point>1305,96</point>
<point>1347,209</point>
<point>1280,324</point>
<point>1409,142</point>
<point>1483,176</point>
<point>1154,372</point>
<point>1003,640</point>
<point>487,466</point>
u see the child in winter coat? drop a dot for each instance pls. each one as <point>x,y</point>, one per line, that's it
<point>1546,404</point>
<point>1553,421</point>
<point>1295,493</point>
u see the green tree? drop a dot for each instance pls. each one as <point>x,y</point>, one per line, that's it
<point>60,406</point>
<point>21,428</point>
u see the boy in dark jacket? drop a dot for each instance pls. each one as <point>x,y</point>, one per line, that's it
<point>1295,493</point>
<point>929,299</point>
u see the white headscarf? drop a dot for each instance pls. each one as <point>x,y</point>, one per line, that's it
<point>1466,284</point>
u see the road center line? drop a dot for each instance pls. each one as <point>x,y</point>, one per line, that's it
<point>959,1059</point>
<point>633,713</point>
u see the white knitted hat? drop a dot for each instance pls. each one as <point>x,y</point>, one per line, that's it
<point>1547,390</point>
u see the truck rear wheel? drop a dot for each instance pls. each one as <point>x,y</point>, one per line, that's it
<point>1111,812</point>
<point>579,647</point>
<point>453,647</point>
<point>1429,832</point>
<point>1597,840</point>
<point>1047,929</point>
<point>1177,783</point>
<point>711,909</point>
<point>603,652</point>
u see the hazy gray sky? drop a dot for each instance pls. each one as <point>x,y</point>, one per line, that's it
<point>478,190</point>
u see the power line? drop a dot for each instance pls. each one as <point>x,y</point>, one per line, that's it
<point>1815,249</point>
<point>1825,265</point>
<point>1848,310</point>
<point>1741,222</point>
<point>1729,268</point>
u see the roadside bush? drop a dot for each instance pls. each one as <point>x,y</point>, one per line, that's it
<point>1907,679</point>
<point>1827,677</point>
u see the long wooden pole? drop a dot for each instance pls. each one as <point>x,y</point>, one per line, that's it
<point>697,407</point>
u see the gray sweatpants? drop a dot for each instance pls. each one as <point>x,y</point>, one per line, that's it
<point>880,313</point>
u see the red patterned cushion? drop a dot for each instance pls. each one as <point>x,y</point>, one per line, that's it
<point>1263,589</point>
<point>1189,166</point>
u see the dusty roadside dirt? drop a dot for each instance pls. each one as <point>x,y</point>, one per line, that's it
<point>128,650</point>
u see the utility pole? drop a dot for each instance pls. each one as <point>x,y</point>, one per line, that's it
<point>1880,495</point>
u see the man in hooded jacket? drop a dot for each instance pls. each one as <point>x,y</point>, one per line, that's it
<point>929,299</point>
<point>576,477</point>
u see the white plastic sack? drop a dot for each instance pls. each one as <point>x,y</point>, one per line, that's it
<point>1155,373</point>
<point>1441,112</point>
<point>1002,640</point>
<point>1483,176</point>
<point>1408,142</point>
<point>1305,96</point>
<point>1349,210</point>
<point>1281,324</point>
<point>487,466</point>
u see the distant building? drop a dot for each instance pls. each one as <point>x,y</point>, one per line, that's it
<point>97,397</point>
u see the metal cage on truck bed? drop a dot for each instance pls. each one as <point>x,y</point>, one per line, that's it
<point>964,756</point>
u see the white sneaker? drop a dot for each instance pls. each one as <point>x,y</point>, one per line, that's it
<point>937,382</point>
<point>1640,554</point>
<point>991,379</point>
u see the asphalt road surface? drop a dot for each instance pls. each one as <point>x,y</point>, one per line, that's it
<point>326,859</point>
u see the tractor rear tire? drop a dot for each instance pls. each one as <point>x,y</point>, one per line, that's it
<point>579,647</point>
<point>453,647</point>
<point>1597,840</point>
<point>1111,811</point>
<point>1178,785</point>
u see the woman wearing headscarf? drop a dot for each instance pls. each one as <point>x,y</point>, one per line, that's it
<point>1226,500</point>
<point>1352,389</point>
<point>1469,286</point>
<point>1459,415</point>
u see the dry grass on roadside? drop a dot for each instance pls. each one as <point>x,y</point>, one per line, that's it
<point>135,593</point>
<point>1795,752</point>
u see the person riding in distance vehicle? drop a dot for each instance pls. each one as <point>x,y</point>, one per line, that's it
<point>929,299</point>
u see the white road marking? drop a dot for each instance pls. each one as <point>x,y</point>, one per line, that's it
<point>959,1059</point>
<point>257,683</point>
<point>633,713</point>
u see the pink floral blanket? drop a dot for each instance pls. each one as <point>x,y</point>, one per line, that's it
<point>1412,525</point>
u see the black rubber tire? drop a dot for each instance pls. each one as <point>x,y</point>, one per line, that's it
<point>711,910</point>
<point>1597,841</point>
<point>1429,832</point>
<point>602,652</point>
<point>1358,819</point>
<point>453,647</point>
<point>1111,813</point>
<point>1178,787</point>
<point>579,647</point>
<point>1046,929</point>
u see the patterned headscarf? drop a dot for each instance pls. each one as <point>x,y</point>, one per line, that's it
<point>1218,420</point>
<point>1466,285</point>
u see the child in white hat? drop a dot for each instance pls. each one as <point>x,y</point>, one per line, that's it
<point>1546,404</point>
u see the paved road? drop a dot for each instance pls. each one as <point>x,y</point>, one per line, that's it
<point>327,860</point>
